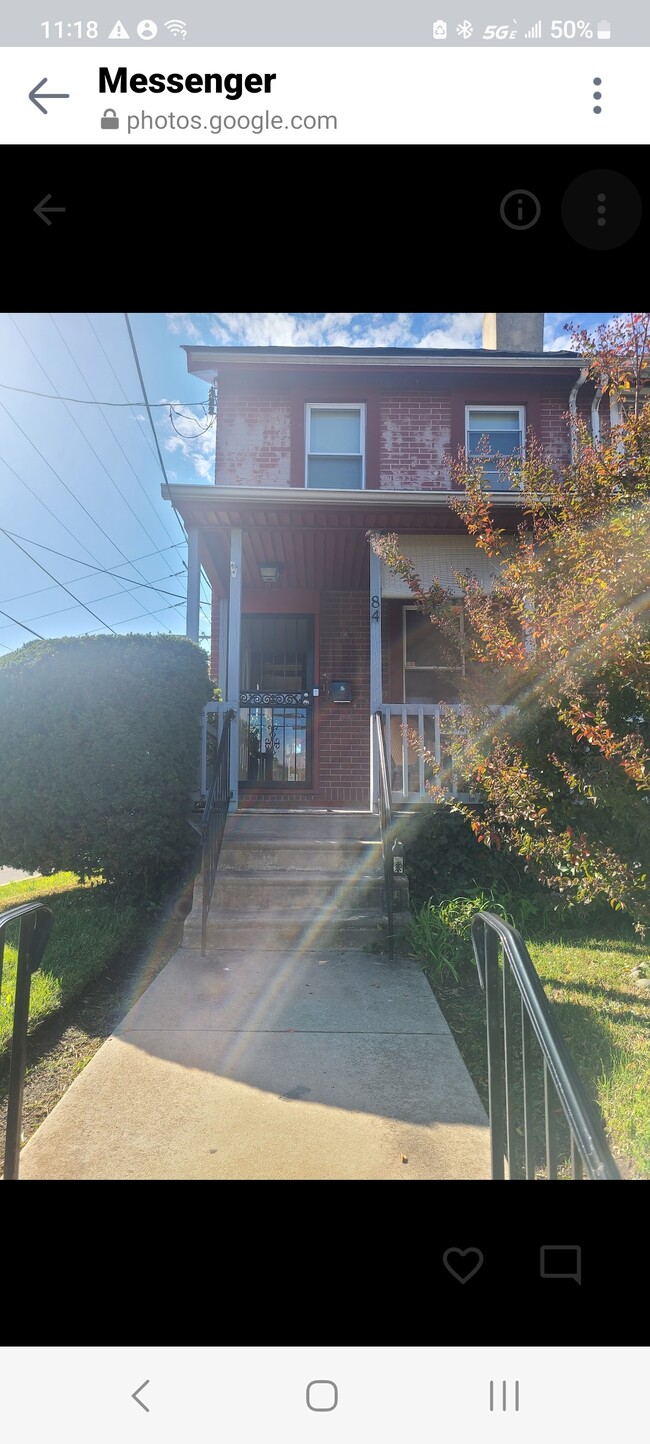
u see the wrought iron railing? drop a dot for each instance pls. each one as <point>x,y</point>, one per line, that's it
<point>35,924</point>
<point>214,820</point>
<point>385,828</point>
<point>524,1103</point>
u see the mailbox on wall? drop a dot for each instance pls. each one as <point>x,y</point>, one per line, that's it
<point>341,691</point>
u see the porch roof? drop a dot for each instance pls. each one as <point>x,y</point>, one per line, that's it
<point>317,537</point>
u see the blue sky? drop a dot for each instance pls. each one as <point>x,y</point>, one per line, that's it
<point>84,479</point>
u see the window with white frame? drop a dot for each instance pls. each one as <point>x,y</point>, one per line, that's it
<point>492,432</point>
<point>335,446</point>
<point>433,664</point>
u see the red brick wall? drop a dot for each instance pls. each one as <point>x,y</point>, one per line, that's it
<point>413,428</point>
<point>253,440</point>
<point>415,439</point>
<point>553,423</point>
<point>344,728</point>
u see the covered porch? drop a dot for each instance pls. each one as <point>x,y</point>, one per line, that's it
<point>311,636</point>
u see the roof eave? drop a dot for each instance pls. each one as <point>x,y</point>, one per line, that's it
<point>204,363</point>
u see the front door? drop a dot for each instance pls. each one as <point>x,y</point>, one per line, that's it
<point>277,679</point>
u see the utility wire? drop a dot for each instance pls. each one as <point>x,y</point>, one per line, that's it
<point>144,434</point>
<point>93,449</point>
<point>61,584</point>
<point>128,620</point>
<point>106,596</point>
<point>114,434</point>
<point>155,434</point>
<point>24,627</point>
<point>96,571</point>
<point>106,570</point>
<point>86,401</point>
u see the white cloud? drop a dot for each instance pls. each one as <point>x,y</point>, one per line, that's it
<point>462,329</point>
<point>181,324</point>
<point>445,329</point>
<point>186,437</point>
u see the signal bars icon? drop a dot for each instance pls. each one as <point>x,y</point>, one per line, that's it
<point>535,32</point>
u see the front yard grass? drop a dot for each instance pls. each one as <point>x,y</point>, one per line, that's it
<point>92,926</point>
<point>603,1011</point>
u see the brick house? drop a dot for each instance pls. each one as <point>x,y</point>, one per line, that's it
<point>316,446</point>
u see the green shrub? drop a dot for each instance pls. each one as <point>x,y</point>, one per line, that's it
<point>442,857</point>
<point>440,933</point>
<point>98,739</point>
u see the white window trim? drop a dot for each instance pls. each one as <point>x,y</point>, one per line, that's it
<point>478,406</point>
<point>411,667</point>
<point>359,406</point>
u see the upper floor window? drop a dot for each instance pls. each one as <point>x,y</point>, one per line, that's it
<point>335,450</point>
<point>494,431</point>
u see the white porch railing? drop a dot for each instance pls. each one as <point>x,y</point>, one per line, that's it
<point>409,770</point>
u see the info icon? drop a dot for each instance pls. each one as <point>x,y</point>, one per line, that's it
<point>520,210</point>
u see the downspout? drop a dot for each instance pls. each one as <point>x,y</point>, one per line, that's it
<point>595,408</point>
<point>573,409</point>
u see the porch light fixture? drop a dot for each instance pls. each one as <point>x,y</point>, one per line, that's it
<point>270,571</point>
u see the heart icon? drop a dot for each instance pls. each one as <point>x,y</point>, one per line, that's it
<point>463,1263</point>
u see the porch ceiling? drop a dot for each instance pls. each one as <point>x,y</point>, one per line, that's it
<point>316,557</point>
<point>318,545</point>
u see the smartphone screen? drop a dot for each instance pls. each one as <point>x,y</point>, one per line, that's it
<point>324,713</point>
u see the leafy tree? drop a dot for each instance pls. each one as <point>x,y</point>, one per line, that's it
<point>563,639</point>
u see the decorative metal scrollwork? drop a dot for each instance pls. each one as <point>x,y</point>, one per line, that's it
<point>274,699</point>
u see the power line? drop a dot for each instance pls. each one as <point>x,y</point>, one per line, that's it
<point>98,458</point>
<point>155,434</point>
<point>128,620</point>
<point>39,616</point>
<point>147,498</point>
<point>61,584</point>
<point>24,627</point>
<point>96,571</point>
<point>105,570</point>
<point>86,401</point>
<point>144,434</point>
<point>59,477</point>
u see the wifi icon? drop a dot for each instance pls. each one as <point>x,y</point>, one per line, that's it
<point>176,27</point>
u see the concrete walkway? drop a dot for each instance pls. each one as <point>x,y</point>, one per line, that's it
<point>266,1065</point>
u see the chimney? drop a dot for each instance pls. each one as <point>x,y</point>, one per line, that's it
<point>513,331</point>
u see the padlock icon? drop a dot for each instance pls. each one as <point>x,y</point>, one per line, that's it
<point>109,120</point>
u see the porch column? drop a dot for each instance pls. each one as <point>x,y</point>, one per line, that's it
<point>375,668</point>
<point>222,662</point>
<point>234,647</point>
<point>193,584</point>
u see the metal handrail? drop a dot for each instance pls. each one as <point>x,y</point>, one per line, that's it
<point>588,1142</point>
<point>385,828</point>
<point>214,820</point>
<point>35,921</point>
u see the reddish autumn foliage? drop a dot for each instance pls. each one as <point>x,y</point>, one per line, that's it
<point>562,637</point>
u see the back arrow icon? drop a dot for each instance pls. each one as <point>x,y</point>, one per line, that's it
<point>45,95</point>
<point>42,210</point>
<point>139,1401</point>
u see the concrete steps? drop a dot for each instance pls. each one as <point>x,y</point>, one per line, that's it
<point>295,880</point>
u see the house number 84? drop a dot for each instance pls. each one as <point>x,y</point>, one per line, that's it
<point>374,608</point>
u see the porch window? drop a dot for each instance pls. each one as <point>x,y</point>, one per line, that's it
<point>433,666</point>
<point>334,438</point>
<point>494,431</point>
